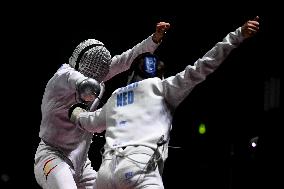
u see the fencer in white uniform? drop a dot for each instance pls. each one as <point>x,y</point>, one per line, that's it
<point>61,159</point>
<point>138,118</point>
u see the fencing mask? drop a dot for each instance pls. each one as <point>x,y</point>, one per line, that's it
<point>92,59</point>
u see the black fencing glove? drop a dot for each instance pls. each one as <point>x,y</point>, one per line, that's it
<point>89,89</point>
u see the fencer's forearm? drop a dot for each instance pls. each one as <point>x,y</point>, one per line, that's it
<point>93,122</point>
<point>123,62</point>
<point>235,38</point>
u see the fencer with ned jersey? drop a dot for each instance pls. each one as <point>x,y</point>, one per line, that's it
<point>61,159</point>
<point>137,118</point>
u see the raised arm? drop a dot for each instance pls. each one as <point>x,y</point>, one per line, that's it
<point>123,62</point>
<point>177,87</point>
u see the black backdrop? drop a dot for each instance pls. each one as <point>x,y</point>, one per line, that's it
<point>229,102</point>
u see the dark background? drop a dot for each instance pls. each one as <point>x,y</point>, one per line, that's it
<point>239,101</point>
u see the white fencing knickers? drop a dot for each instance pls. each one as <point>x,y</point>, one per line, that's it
<point>54,171</point>
<point>127,168</point>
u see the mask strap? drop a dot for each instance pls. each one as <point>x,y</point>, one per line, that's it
<point>83,52</point>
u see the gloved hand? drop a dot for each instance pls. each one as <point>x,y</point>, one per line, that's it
<point>75,110</point>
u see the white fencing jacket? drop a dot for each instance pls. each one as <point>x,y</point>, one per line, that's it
<point>56,129</point>
<point>141,113</point>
